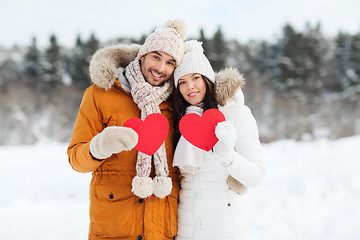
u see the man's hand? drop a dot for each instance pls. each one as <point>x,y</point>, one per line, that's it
<point>113,140</point>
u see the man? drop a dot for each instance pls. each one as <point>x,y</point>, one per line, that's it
<point>132,195</point>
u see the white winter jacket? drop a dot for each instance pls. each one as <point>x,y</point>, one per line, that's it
<point>208,208</point>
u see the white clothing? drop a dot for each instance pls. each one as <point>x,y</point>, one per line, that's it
<point>207,208</point>
<point>188,157</point>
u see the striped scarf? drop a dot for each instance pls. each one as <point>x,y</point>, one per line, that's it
<point>148,98</point>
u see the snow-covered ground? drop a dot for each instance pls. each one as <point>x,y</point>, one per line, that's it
<point>311,192</point>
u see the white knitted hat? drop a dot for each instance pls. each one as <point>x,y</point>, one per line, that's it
<point>169,40</point>
<point>194,61</point>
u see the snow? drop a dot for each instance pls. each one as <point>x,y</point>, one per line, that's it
<point>310,192</point>
<point>41,196</point>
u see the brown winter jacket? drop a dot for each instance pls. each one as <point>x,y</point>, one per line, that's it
<point>115,212</point>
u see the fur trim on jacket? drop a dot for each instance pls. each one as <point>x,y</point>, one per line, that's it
<point>105,62</point>
<point>227,83</point>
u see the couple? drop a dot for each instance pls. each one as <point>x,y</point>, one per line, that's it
<point>136,196</point>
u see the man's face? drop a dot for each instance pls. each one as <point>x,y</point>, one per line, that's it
<point>157,67</point>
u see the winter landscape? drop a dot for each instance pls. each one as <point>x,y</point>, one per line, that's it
<point>311,191</point>
<point>302,85</point>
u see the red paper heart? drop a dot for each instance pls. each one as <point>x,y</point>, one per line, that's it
<point>152,132</point>
<point>200,131</point>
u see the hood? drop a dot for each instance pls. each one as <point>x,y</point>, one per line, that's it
<point>228,84</point>
<point>105,62</point>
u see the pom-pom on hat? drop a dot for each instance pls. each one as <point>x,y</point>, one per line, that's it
<point>194,61</point>
<point>169,40</point>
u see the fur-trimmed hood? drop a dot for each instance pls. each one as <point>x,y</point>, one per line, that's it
<point>105,62</point>
<point>228,84</point>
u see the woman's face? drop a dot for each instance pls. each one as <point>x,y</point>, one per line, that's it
<point>192,87</point>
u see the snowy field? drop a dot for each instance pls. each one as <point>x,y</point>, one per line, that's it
<point>311,192</point>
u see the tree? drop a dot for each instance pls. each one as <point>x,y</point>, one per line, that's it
<point>353,73</point>
<point>32,66</point>
<point>318,55</point>
<point>91,46</point>
<point>302,62</point>
<point>289,69</point>
<point>264,58</point>
<point>205,42</point>
<point>53,64</point>
<point>77,64</point>
<point>238,56</point>
<point>342,59</point>
<point>219,51</point>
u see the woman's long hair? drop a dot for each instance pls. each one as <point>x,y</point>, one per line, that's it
<point>180,105</point>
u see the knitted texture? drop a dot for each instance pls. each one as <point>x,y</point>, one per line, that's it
<point>194,61</point>
<point>169,40</point>
<point>148,98</point>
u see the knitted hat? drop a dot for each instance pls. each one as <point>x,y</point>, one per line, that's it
<point>169,40</point>
<point>194,61</point>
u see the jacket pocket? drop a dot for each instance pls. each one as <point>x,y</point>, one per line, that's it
<point>112,211</point>
<point>171,213</point>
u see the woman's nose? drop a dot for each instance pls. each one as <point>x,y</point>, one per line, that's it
<point>191,85</point>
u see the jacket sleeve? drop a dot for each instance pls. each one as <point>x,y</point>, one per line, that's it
<point>246,166</point>
<point>88,124</point>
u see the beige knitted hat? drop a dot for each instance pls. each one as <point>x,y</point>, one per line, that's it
<point>169,39</point>
<point>194,61</point>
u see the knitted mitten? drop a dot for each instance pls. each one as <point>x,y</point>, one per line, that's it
<point>224,148</point>
<point>113,140</point>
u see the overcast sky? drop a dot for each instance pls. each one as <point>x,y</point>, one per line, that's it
<point>108,19</point>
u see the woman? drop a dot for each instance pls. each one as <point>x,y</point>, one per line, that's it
<point>213,182</point>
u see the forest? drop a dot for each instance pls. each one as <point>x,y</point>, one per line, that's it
<point>303,85</point>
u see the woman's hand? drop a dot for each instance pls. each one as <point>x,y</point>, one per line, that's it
<point>225,148</point>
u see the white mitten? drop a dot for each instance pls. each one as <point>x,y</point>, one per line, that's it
<point>113,140</point>
<point>224,148</point>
